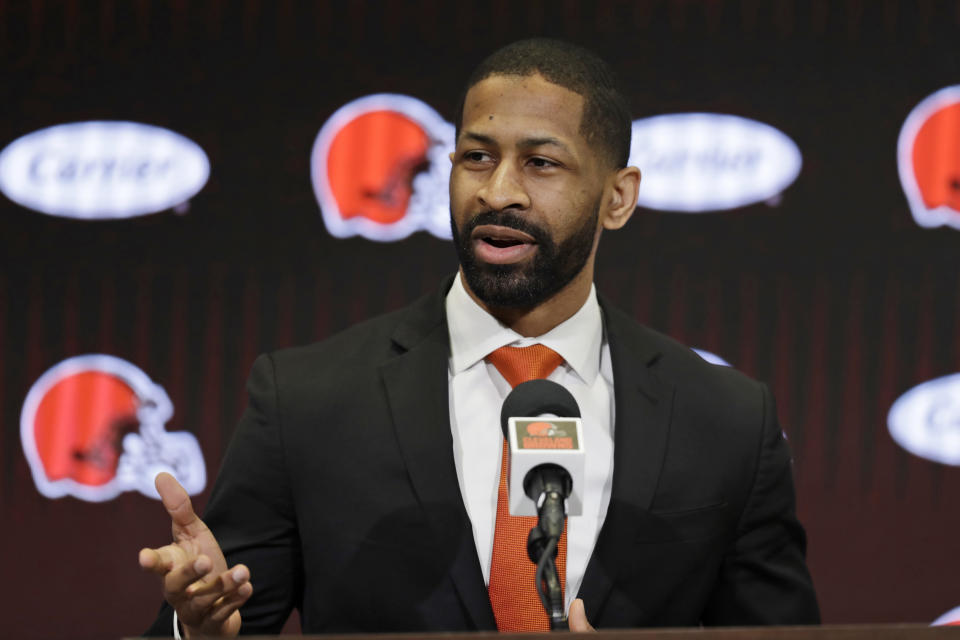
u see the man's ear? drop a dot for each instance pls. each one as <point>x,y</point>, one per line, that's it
<point>621,194</point>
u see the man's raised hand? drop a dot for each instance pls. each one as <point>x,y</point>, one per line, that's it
<point>194,575</point>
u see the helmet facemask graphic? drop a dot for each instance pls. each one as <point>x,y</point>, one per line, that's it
<point>92,427</point>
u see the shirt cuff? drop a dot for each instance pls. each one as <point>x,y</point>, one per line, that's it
<point>176,627</point>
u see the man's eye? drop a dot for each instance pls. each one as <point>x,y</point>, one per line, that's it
<point>542,163</point>
<point>475,156</point>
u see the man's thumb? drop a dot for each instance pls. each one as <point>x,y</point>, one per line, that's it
<point>577,620</point>
<point>175,500</point>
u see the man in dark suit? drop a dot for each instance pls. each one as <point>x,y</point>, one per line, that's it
<point>361,485</point>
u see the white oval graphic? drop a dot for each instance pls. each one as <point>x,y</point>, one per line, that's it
<point>694,162</point>
<point>102,170</point>
<point>926,420</point>
<point>712,358</point>
<point>951,617</point>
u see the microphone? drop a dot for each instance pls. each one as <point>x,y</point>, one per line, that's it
<point>545,452</point>
<point>541,421</point>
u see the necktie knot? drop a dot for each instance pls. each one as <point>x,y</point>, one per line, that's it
<point>520,364</point>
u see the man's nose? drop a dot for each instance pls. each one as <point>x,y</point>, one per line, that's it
<point>504,189</point>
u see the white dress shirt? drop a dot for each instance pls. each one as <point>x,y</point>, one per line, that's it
<point>477,392</point>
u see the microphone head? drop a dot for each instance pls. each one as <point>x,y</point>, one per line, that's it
<point>536,397</point>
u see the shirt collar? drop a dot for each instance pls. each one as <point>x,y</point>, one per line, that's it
<point>474,334</point>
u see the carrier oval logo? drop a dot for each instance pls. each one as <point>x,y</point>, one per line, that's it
<point>710,357</point>
<point>950,618</point>
<point>92,427</point>
<point>693,162</point>
<point>380,168</point>
<point>928,159</point>
<point>102,170</point>
<point>926,420</point>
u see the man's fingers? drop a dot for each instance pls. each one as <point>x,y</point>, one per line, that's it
<point>222,595</point>
<point>163,559</point>
<point>175,500</point>
<point>177,582</point>
<point>204,593</point>
<point>577,620</point>
<point>150,561</point>
<point>229,603</point>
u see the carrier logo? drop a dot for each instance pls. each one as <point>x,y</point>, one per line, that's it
<point>950,618</point>
<point>926,420</point>
<point>710,357</point>
<point>93,426</point>
<point>380,168</point>
<point>928,158</point>
<point>102,170</point>
<point>694,162</point>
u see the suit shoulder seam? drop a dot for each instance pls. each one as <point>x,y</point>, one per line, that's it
<point>758,453</point>
<point>278,418</point>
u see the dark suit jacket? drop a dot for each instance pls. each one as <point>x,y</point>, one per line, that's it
<point>339,491</point>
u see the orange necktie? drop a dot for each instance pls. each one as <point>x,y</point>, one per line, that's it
<point>513,593</point>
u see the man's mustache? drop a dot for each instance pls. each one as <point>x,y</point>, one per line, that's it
<point>507,219</point>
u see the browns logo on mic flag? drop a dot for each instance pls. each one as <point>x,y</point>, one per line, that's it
<point>540,434</point>
<point>538,440</point>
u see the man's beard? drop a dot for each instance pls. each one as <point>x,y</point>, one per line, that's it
<point>524,285</point>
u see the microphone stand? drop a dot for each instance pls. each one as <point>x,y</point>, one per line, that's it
<point>549,589</point>
<point>543,539</point>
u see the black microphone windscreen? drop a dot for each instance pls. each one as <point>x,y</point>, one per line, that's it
<point>536,397</point>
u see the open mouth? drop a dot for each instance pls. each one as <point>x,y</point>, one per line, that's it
<point>502,245</point>
<point>502,242</point>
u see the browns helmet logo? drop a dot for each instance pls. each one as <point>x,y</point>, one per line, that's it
<point>545,429</point>
<point>92,427</point>
<point>928,158</point>
<point>380,168</point>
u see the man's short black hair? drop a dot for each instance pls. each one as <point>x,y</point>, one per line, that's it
<point>606,118</point>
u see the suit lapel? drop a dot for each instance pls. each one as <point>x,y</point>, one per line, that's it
<point>417,391</point>
<point>643,406</point>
